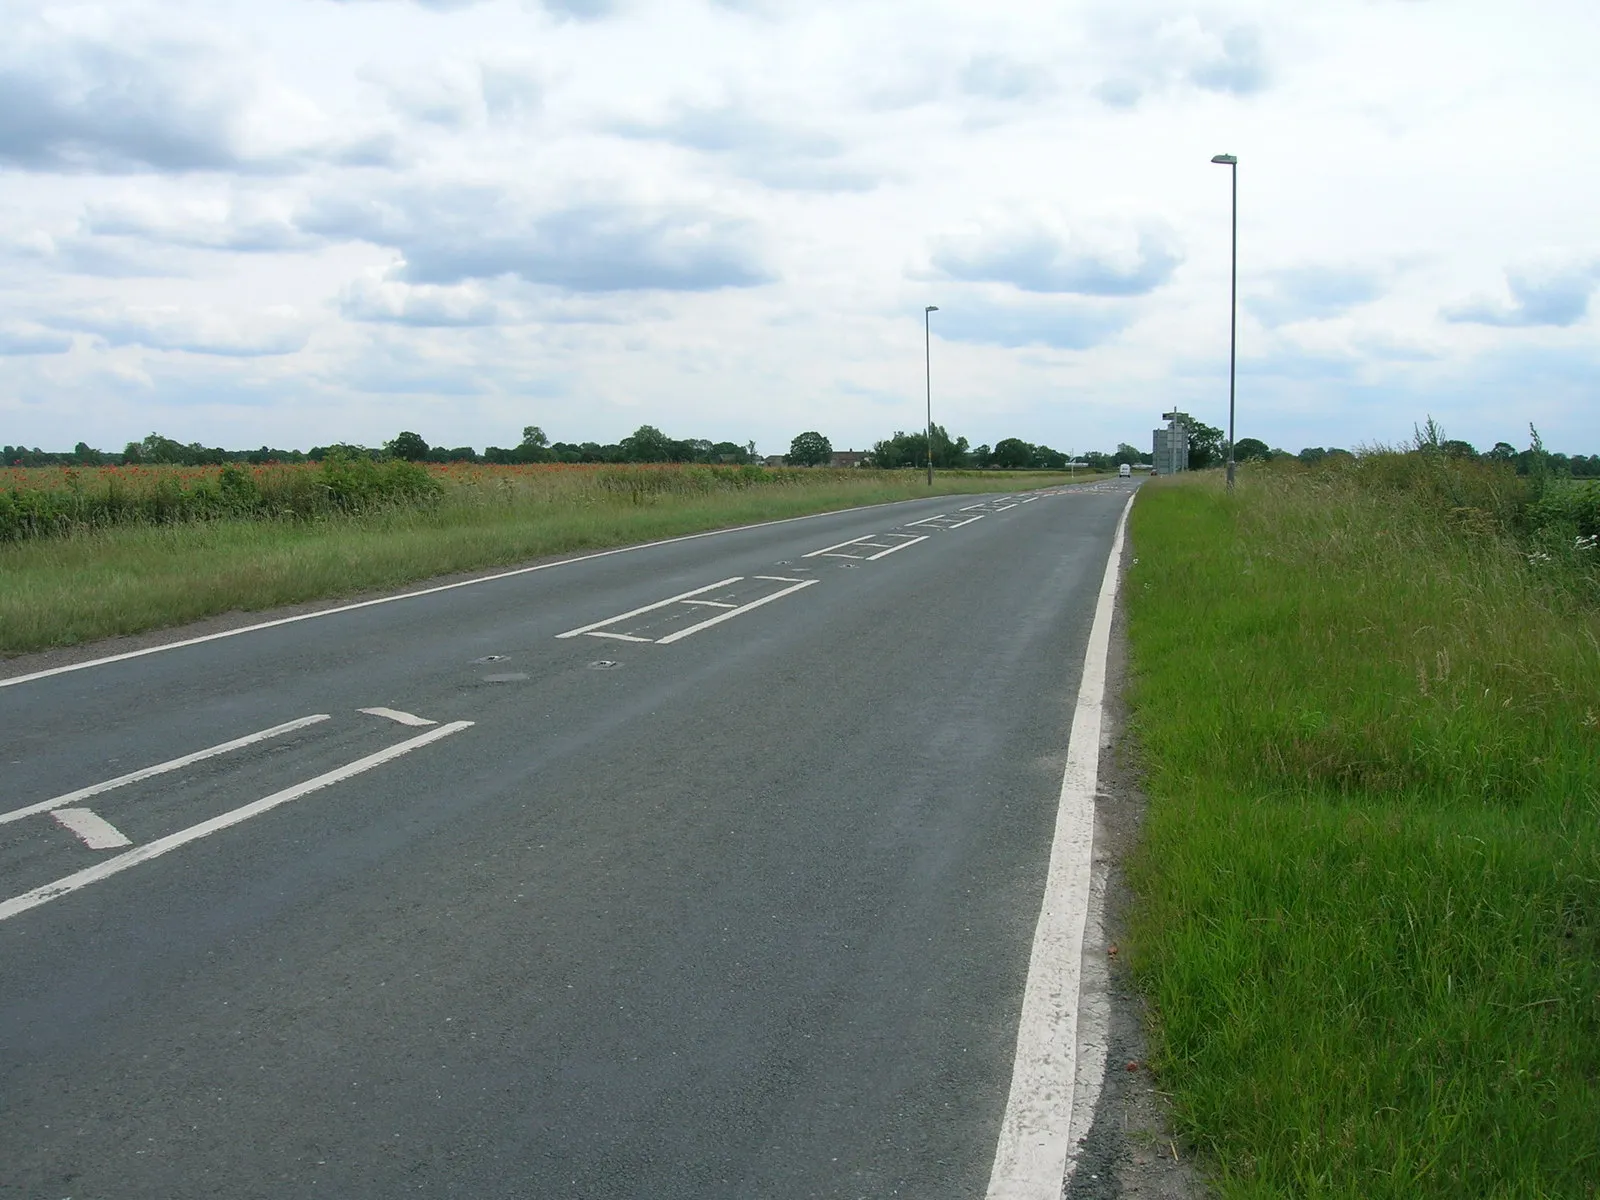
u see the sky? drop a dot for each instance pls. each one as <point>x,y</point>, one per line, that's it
<point>310,221</point>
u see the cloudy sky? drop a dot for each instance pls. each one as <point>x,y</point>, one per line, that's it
<point>314,220</point>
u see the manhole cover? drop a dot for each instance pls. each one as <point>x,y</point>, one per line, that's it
<point>603,664</point>
<point>848,566</point>
<point>509,677</point>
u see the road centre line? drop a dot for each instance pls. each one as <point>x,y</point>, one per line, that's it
<point>710,587</point>
<point>93,830</point>
<point>443,587</point>
<point>132,858</point>
<point>892,549</point>
<point>731,613</point>
<point>174,764</point>
<point>401,718</point>
<point>968,521</point>
<point>1030,1161</point>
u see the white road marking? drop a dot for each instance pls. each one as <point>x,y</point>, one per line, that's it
<point>1030,1161</point>
<point>926,520</point>
<point>781,578</point>
<point>840,546</point>
<point>160,768</point>
<point>1003,507</point>
<point>970,507</point>
<point>731,613</point>
<point>93,830</point>
<point>712,603</point>
<point>892,549</point>
<point>968,521</point>
<point>621,637</point>
<point>394,714</point>
<point>132,858</point>
<point>444,587</point>
<point>710,587</point>
<point>1027,500</point>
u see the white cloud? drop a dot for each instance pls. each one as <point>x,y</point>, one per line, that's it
<point>725,218</point>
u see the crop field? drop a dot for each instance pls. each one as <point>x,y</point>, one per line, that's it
<point>1367,702</point>
<point>101,552</point>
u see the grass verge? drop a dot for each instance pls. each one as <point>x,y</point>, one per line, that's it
<point>1369,893</point>
<point>131,579</point>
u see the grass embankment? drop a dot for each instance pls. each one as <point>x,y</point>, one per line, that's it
<point>1369,894</point>
<point>133,576</point>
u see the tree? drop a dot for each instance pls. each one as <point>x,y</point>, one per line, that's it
<point>1127,454</point>
<point>645,444</point>
<point>1205,445</point>
<point>809,449</point>
<point>1501,452</point>
<point>1251,449</point>
<point>407,445</point>
<point>1013,453</point>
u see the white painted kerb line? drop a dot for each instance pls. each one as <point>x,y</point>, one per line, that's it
<point>155,849</point>
<point>1030,1161</point>
<point>174,764</point>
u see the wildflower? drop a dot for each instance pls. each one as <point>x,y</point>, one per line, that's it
<point>1592,542</point>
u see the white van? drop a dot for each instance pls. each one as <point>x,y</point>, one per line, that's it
<point>1125,471</point>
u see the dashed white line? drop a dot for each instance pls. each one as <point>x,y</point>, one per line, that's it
<point>892,549</point>
<point>970,507</point>
<point>160,768</point>
<point>1030,1161</point>
<point>621,637</point>
<point>1003,507</point>
<point>926,520</point>
<point>968,521</point>
<point>680,634</point>
<point>595,625</point>
<point>132,858</point>
<point>93,830</point>
<point>401,718</point>
<point>712,603</point>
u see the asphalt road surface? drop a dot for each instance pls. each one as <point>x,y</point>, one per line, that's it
<point>709,869</point>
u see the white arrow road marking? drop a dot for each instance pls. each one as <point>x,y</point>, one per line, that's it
<point>1030,1162</point>
<point>394,714</point>
<point>160,768</point>
<point>92,829</point>
<point>155,849</point>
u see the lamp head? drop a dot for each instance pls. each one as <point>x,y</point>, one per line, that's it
<point>931,308</point>
<point>1228,160</point>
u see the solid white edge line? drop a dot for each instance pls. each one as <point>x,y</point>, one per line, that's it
<point>892,549</point>
<point>155,849</point>
<point>395,715</point>
<point>174,764</point>
<point>840,546</point>
<point>1030,1161</point>
<point>93,830</point>
<point>593,625</point>
<point>443,587</point>
<point>727,616</point>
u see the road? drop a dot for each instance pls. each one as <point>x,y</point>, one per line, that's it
<point>708,869</point>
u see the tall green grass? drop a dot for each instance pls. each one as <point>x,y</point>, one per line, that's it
<point>97,583</point>
<point>1369,894</point>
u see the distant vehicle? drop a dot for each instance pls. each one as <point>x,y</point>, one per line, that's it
<point>1125,471</point>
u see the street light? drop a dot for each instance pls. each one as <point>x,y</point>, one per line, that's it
<point>1232,163</point>
<point>927,357</point>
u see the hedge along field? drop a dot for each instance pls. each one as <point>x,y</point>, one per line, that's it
<point>1368,704</point>
<point>112,551</point>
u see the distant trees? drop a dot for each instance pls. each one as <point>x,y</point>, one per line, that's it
<point>1251,450</point>
<point>407,445</point>
<point>809,449</point>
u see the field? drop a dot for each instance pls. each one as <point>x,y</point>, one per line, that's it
<point>1367,702</point>
<point>99,552</point>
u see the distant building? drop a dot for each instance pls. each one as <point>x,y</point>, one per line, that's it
<point>847,458</point>
<point>772,460</point>
<point>1171,446</point>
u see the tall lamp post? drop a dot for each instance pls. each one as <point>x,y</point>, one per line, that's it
<point>927,359</point>
<point>1232,163</point>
